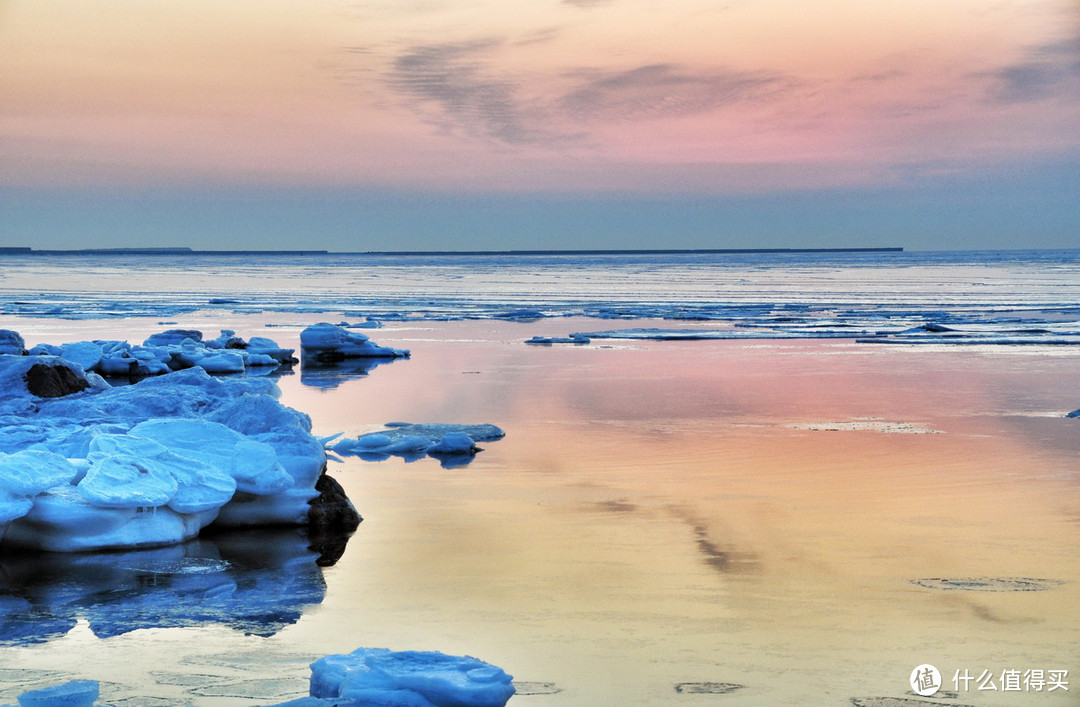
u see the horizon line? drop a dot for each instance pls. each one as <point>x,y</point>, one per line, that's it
<point>184,250</point>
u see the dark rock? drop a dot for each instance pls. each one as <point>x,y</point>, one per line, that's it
<point>47,381</point>
<point>332,509</point>
<point>331,521</point>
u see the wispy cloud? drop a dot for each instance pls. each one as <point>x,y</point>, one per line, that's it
<point>456,88</point>
<point>660,90</point>
<point>1047,71</point>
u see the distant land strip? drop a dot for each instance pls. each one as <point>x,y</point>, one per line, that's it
<point>4,250</point>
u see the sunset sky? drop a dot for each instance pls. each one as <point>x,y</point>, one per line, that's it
<point>488,124</point>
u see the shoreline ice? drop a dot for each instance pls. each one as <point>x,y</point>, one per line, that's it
<point>88,466</point>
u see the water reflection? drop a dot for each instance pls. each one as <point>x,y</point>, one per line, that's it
<point>329,375</point>
<point>255,581</point>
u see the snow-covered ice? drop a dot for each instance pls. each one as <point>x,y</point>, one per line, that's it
<point>167,351</point>
<point>548,340</point>
<point>454,444</point>
<point>378,676</point>
<point>85,466</point>
<point>78,693</point>
<point>327,342</point>
<point>11,342</point>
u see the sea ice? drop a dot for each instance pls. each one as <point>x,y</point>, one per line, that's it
<point>451,442</point>
<point>170,350</point>
<point>329,342</point>
<point>11,342</point>
<point>547,340</point>
<point>78,693</point>
<point>86,466</point>
<point>379,676</point>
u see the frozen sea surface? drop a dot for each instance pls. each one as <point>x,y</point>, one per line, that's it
<point>803,294</point>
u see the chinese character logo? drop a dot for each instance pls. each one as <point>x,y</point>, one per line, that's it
<point>925,680</point>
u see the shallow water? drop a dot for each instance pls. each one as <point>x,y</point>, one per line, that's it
<point>664,519</point>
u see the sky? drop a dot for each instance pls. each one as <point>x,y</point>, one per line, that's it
<point>539,124</point>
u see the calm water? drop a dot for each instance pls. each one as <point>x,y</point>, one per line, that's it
<point>663,517</point>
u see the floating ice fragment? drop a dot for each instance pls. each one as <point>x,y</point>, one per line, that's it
<point>412,441</point>
<point>329,342</point>
<point>441,680</point>
<point>547,340</point>
<point>78,693</point>
<point>174,337</point>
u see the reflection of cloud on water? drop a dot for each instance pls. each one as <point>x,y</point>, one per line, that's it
<point>256,582</point>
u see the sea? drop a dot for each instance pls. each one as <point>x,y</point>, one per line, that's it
<point>749,478</point>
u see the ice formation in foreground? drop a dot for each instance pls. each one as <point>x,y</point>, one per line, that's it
<point>88,466</point>
<point>365,677</point>
<point>378,676</point>
<point>78,693</point>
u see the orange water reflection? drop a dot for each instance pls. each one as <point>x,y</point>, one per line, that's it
<point>674,512</point>
<point>685,512</point>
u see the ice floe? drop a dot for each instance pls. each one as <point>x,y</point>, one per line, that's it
<point>548,340</point>
<point>453,444</point>
<point>86,466</point>
<point>326,342</point>
<point>378,676</point>
<point>78,693</point>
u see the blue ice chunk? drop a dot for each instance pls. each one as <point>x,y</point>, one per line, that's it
<point>454,443</point>
<point>86,354</point>
<point>442,680</point>
<point>42,350</point>
<point>26,474</point>
<point>520,315</point>
<point>11,342</point>
<point>78,693</point>
<point>329,342</point>
<point>173,336</point>
<point>547,340</point>
<point>124,481</point>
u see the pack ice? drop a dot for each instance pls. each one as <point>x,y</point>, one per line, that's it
<point>88,466</point>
